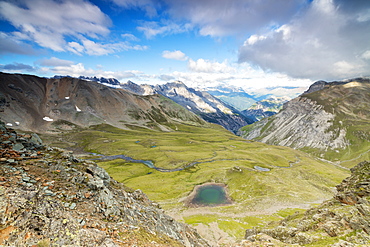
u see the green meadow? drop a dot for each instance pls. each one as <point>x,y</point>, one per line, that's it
<point>294,179</point>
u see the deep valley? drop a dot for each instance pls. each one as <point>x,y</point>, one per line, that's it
<point>168,153</point>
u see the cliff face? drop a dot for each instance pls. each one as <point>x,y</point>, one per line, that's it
<point>327,117</point>
<point>341,221</point>
<point>49,197</point>
<point>302,123</point>
<point>40,104</point>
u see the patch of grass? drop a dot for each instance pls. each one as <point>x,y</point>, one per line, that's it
<point>44,243</point>
<point>290,211</point>
<point>140,237</point>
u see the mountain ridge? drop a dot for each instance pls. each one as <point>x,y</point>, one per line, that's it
<point>201,103</point>
<point>331,121</point>
<point>40,104</point>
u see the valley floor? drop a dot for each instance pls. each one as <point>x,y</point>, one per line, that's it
<point>265,182</point>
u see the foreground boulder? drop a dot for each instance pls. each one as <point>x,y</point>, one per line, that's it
<point>50,198</point>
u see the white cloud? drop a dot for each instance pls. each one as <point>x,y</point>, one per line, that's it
<point>176,55</point>
<point>53,61</point>
<point>327,41</point>
<point>75,47</point>
<point>238,75</point>
<point>97,49</point>
<point>76,70</point>
<point>129,36</point>
<point>366,55</point>
<point>254,39</point>
<point>153,28</point>
<point>203,73</point>
<point>219,18</point>
<point>47,22</point>
<point>206,66</point>
<point>148,6</point>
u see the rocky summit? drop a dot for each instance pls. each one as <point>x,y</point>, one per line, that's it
<point>342,221</point>
<point>48,197</point>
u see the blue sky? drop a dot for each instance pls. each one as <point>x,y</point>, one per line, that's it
<point>248,43</point>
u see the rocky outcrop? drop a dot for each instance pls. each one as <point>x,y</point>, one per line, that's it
<point>48,197</point>
<point>39,105</point>
<point>341,221</point>
<point>327,117</point>
<point>134,88</point>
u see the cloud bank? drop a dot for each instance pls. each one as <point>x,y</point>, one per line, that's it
<point>330,40</point>
<point>319,39</point>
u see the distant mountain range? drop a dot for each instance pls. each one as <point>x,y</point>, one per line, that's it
<point>234,96</point>
<point>265,107</point>
<point>218,105</point>
<point>201,103</point>
<point>102,80</point>
<point>225,105</point>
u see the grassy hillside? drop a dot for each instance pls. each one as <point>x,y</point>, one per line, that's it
<point>294,178</point>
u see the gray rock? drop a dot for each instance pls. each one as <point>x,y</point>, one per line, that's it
<point>99,172</point>
<point>73,206</point>
<point>48,193</point>
<point>95,183</point>
<point>18,147</point>
<point>35,139</point>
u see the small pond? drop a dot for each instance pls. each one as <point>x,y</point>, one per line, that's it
<point>209,195</point>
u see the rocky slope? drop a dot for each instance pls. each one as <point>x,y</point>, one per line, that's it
<point>341,221</point>
<point>201,103</point>
<point>40,104</point>
<point>48,197</point>
<point>332,117</point>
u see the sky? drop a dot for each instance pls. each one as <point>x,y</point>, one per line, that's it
<point>203,43</point>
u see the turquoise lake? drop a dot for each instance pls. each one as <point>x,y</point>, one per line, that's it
<point>210,195</point>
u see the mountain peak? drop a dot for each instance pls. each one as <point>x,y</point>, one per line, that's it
<point>316,86</point>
